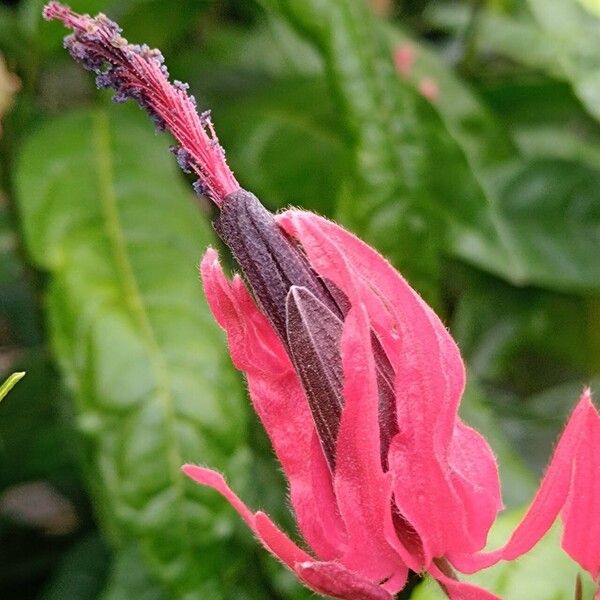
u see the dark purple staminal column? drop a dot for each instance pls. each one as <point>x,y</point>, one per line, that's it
<point>271,262</point>
<point>306,311</point>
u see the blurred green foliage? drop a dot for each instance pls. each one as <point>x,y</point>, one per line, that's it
<point>485,194</point>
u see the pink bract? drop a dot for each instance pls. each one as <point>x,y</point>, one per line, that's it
<point>365,526</point>
<point>389,479</point>
<point>441,492</point>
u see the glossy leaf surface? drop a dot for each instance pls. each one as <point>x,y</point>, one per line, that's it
<point>106,216</point>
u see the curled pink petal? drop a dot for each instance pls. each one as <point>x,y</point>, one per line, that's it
<point>362,488</point>
<point>432,496</point>
<point>330,578</point>
<point>268,533</point>
<point>477,483</point>
<point>253,344</point>
<point>333,579</point>
<point>280,403</point>
<point>581,515</point>
<point>215,480</point>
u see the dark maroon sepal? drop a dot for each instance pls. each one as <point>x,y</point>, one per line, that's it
<point>314,335</point>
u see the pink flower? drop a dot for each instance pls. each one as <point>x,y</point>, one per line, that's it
<point>404,58</point>
<point>355,379</point>
<point>358,392</point>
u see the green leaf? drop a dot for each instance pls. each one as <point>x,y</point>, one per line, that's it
<point>553,207</point>
<point>558,128</point>
<point>516,37</point>
<point>482,136</point>
<point>519,339</point>
<point>106,215</point>
<point>574,33</point>
<point>470,155</point>
<point>485,227</point>
<point>544,573</point>
<point>9,383</point>
<point>383,121</point>
<point>556,36</point>
<point>233,58</point>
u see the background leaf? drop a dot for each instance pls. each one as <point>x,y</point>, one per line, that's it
<point>143,370</point>
<point>556,36</point>
<point>570,228</point>
<point>291,126</point>
<point>388,160</point>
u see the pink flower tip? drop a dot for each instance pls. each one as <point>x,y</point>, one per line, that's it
<point>429,89</point>
<point>404,58</point>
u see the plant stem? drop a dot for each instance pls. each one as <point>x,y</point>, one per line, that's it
<point>444,566</point>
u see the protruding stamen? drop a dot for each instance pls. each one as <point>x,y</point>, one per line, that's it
<point>138,72</point>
